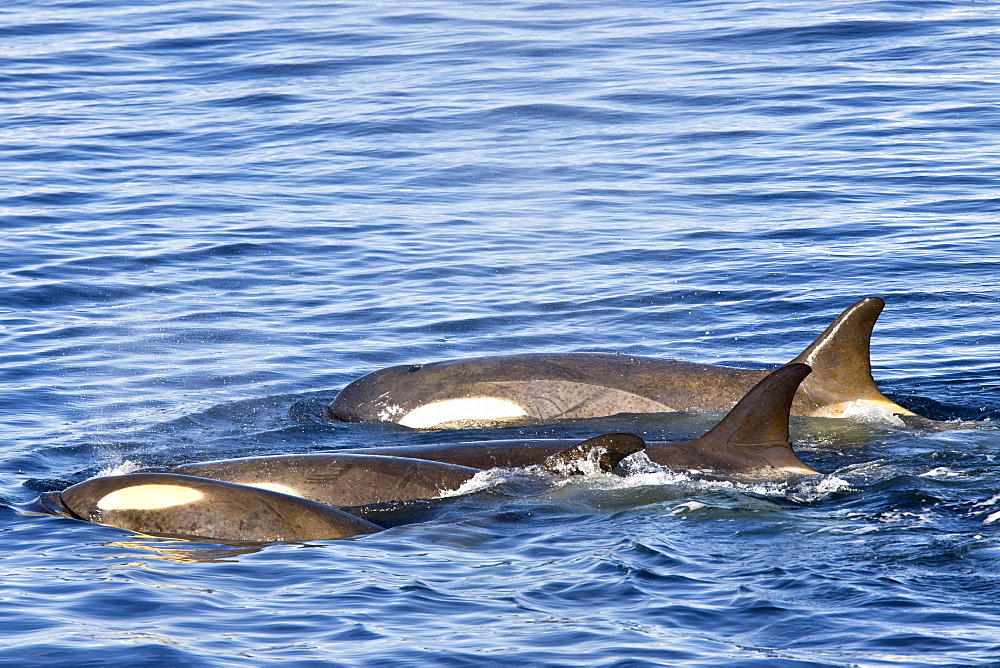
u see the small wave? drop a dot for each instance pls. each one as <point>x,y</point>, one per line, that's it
<point>988,502</point>
<point>480,481</point>
<point>940,472</point>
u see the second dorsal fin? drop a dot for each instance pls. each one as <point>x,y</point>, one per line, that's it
<point>753,436</point>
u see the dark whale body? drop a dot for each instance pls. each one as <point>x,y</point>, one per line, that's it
<point>546,387</point>
<point>165,504</point>
<point>285,498</point>
<point>361,478</point>
<point>750,441</point>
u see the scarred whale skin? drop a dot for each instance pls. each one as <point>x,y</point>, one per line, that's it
<point>546,387</point>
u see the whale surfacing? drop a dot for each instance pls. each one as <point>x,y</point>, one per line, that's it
<point>751,441</point>
<point>234,500</point>
<point>288,497</point>
<point>546,387</point>
<point>164,504</point>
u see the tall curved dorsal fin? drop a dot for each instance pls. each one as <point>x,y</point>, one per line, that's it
<point>752,437</point>
<point>761,416</point>
<point>841,362</point>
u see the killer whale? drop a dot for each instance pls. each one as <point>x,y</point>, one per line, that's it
<point>547,387</point>
<point>752,440</point>
<point>360,478</point>
<point>164,504</point>
<point>284,498</point>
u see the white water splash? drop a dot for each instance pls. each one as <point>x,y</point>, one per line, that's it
<point>988,502</point>
<point>868,414</point>
<point>482,480</point>
<point>940,472</point>
<point>637,470</point>
<point>830,484</point>
<point>638,463</point>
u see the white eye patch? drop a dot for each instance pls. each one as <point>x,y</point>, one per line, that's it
<point>450,410</point>
<point>149,497</point>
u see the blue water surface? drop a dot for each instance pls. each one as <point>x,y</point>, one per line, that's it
<point>215,215</point>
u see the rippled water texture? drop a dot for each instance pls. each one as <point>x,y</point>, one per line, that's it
<point>215,215</point>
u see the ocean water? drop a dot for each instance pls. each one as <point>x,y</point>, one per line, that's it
<point>215,215</point>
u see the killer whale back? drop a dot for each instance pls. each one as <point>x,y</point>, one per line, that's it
<point>752,437</point>
<point>487,391</point>
<point>165,504</point>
